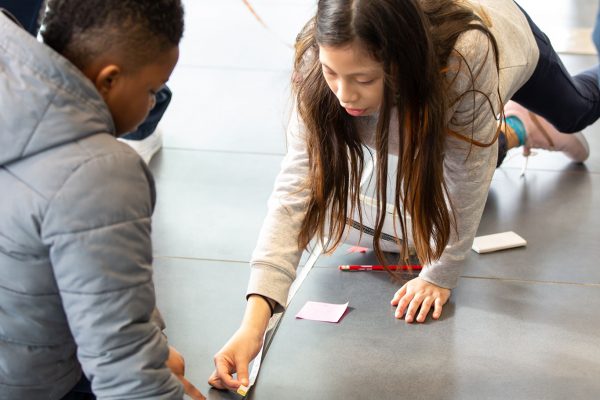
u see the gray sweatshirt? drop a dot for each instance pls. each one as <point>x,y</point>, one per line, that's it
<point>468,169</point>
<point>76,289</point>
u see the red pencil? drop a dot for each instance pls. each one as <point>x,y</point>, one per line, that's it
<point>377,267</point>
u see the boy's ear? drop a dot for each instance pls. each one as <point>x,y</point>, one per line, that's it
<point>107,78</point>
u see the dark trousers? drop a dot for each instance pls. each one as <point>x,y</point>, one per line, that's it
<point>596,32</point>
<point>81,391</point>
<point>570,103</point>
<point>28,12</point>
<point>163,98</point>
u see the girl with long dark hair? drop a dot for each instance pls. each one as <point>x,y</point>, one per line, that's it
<point>426,81</point>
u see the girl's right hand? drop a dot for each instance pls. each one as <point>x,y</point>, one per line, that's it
<point>234,357</point>
<point>243,346</point>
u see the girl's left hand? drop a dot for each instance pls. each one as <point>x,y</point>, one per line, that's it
<point>420,293</point>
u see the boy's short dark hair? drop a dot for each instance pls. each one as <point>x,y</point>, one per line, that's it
<point>81,30</point>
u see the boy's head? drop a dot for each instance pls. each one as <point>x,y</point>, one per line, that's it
<point>127,48</point>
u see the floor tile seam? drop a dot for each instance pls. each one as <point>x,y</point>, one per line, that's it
<point>233,68</point>
<point>283,154</point>
<point>532,281</point>
<point>529,281</point>
<point>254,153</point>
<point>166,257</point>
<point>552,170</point>
<point>236,152</point>
<point>221,67</point>
<point>574,53</point>
<point>189,258</point>
<point>498,279</point>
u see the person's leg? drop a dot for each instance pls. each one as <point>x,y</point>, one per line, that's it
<point>27,12</point>
<point>534,132</point>
<point>163,98</point>
<point>596,32</point>
<point>570,103</point>
<point>147,140</point>
<point>81,391</point>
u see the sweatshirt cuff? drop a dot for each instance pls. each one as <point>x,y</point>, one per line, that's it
<point>442,275</point>
<point>271,283</point>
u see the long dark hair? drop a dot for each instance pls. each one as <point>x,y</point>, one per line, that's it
<point>413,40</point>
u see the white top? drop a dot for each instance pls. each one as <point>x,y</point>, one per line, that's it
<point>468,169</point>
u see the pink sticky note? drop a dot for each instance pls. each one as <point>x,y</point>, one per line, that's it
<point>325,312</point>
<point>357,249</point>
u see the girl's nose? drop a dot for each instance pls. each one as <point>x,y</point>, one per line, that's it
<point>345,94</point>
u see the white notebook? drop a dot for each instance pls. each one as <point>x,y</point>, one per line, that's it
<point>497,241</point>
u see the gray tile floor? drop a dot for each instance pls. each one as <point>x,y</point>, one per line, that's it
<point>522,324</point>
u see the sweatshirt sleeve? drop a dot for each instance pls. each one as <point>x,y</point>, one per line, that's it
<point>277,254</point>
<point>97,228</point>
<point>468,169</point>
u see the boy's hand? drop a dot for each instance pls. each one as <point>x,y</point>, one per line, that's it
<point>177,365</point>
<point>420,293</point>
<point>234,357</point>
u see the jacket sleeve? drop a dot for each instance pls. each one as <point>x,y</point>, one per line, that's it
<point>98,228</point>
<point>277,254</point>
<point>468,169</point>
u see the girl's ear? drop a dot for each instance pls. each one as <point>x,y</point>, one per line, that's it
<point>107,79</point>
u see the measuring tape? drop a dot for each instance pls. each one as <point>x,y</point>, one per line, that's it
<point>276,319</point>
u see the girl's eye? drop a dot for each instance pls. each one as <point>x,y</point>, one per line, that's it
<point>328,72</point>
<point>366,82</point>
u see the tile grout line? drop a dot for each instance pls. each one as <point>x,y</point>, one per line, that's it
<point>257,153</point>
<point>532,281</point>
<point>550,170</point>
<point>199,259</point>
<point>162,257</point>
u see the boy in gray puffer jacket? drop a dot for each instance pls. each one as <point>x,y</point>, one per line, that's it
<point>76,289</point>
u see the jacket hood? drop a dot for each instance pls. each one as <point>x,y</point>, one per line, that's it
<point>45,101</point>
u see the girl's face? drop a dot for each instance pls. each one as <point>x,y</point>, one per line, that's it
<point>354,77</point>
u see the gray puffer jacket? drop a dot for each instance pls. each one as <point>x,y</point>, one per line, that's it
<point>76,286</point>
